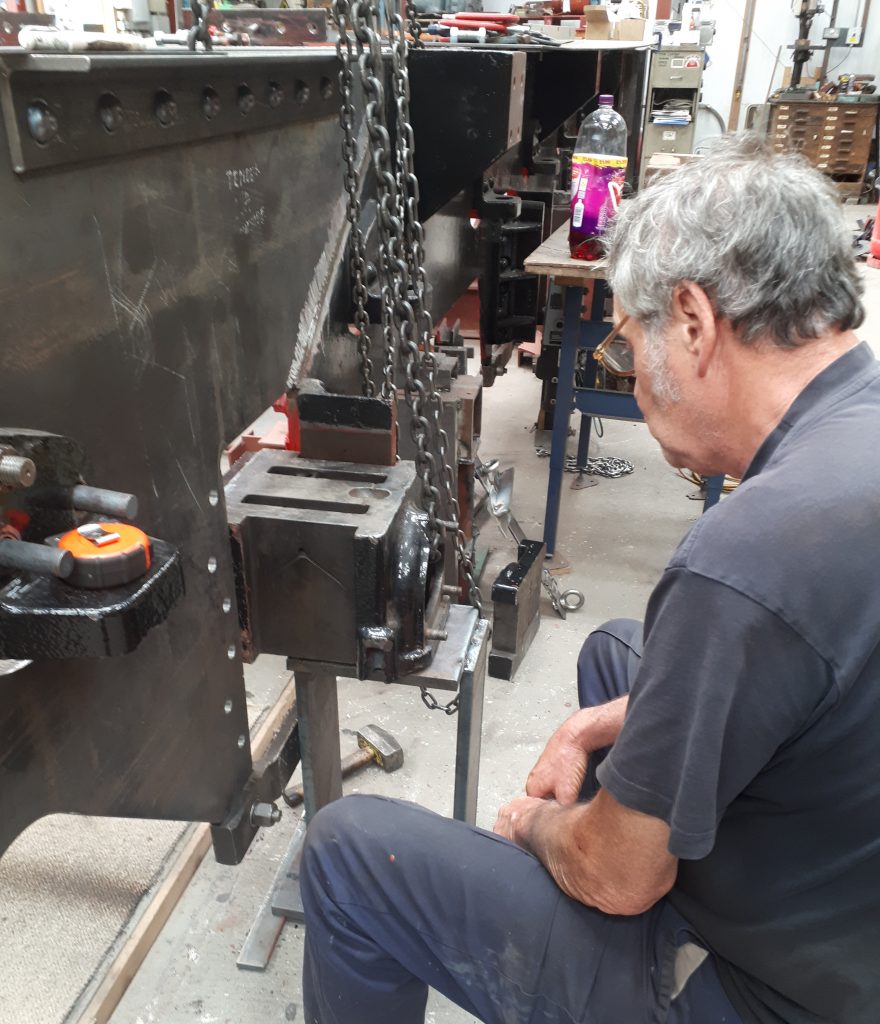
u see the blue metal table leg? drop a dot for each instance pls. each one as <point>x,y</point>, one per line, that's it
<point>714,486</point>
<point>571,328</point>
<point>584,441</point>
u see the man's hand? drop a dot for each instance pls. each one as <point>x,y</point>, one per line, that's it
<point>560,771</point>
<point>600,853</point>
<point>516,819</point>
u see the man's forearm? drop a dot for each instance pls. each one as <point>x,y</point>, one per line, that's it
<point>556,837</point>
<point>618,866</point>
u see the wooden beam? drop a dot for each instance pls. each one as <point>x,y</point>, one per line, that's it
<point>741,65</point>
<point>172,887</point>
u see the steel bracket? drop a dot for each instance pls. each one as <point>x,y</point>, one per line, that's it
<point>516,596</point>
<point>233,836</point>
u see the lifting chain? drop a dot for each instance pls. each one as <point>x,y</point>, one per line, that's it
<point>421,335</point>
<point>407,326</point>
<point>412,17</point>
<point>357,248</point>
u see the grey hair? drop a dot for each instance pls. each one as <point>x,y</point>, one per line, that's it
<point>762,234</point>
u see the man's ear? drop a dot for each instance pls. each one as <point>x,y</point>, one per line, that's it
<point>693,313</point>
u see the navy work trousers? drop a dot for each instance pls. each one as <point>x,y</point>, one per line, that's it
<point>398,899</point>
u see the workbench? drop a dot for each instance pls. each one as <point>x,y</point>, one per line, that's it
<point>573,278</point>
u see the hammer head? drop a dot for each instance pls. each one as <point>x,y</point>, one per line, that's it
<point>385,749</point>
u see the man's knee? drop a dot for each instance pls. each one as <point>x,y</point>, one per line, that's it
<point>341,823</point>
<point>348,830</point>
<point>627,632</point>
<point>607,661</point>
<point>334,830</point>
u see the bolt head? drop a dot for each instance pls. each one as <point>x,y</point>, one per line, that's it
<point>275,95</point>
<point>165,109</point>
<point>42,123</point>
<point>110,112</point>
<point>246,100</point>
<point>265,814</point>
<point>210,104</point>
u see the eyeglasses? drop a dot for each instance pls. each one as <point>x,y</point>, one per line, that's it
<point>615,353</point>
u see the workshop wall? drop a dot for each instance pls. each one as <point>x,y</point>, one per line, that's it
<point>775,26</point>
<point>863,60</point>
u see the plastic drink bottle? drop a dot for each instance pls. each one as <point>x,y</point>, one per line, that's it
<point>598,172</point>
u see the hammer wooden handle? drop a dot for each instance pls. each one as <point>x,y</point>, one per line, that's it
<point>352,763</point>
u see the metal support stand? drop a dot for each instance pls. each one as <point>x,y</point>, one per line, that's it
<point>318,714</point>
<point>267,927</point>
<point>582,480</point>
<point>470,724</point>
<point>460,663</point>
<point>571,329</point>
<point>318,718</point>
<point>584,440</point>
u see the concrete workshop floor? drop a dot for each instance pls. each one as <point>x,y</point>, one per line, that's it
<point>618,535</point>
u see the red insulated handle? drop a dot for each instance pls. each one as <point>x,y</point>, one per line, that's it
<point>510,19</point>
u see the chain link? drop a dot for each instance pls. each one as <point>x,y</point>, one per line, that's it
<point>607,465</point>
<point>414,237</point>
<point>357,248</point>
<point>415,29</point>
<point>407,325</point>
<point>432,704</point>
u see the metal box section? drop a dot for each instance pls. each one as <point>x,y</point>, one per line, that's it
<point>674,83</point>
<point>67,109</point>
<point>331,563</point>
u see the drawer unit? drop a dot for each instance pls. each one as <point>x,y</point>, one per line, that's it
<point>834,137</point>
<point>670,70</point>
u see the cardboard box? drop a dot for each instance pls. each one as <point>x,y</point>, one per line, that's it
<point>564,31</point>
<point>662,163</point>
<point>630,29</point>
<point>596,23</point>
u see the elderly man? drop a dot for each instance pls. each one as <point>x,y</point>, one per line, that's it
<point>701,841</point>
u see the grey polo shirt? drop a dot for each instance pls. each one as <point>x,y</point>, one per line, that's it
<point>753,727</point>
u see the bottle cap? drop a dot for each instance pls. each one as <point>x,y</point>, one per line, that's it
<point>606,101</point>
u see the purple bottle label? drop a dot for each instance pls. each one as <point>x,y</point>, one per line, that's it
<point>596,187</point>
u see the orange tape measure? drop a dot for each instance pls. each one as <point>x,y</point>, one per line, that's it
<point>106,554</point>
